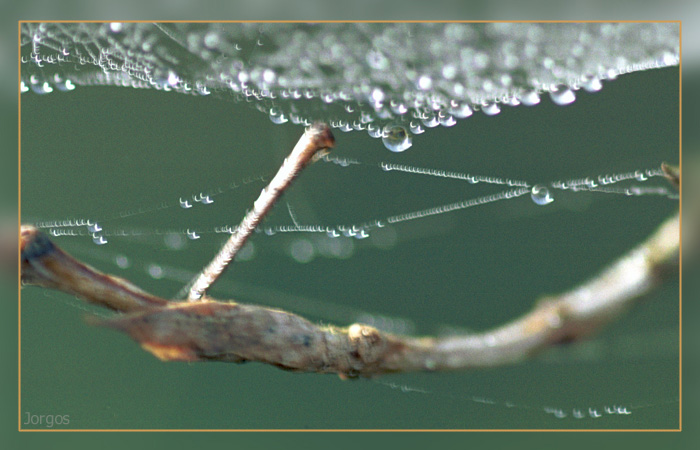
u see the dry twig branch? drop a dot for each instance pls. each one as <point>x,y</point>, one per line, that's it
<point>211,330</point>
<point>316,138</point>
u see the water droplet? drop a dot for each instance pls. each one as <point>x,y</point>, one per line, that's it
<point>62,84</point>
<point>512,101</point>
<point>591,83</point>
<point>94,228</point>
<point>396,138</point>
<point>530,98</point>
<point>431,121</point>
<point>116,27</point>
<point>611,74</point>
<point>562,95</point>
<point>490,108</point>
<point>540,195</point>
<point>67,86</point>
<point>202,89</point>
<point>398,108</point>
<point>460,110</point>
<point>669,59</point>
<point>173,79</point>
<point>374,131</point>
<point>40,87</point>
<point>416,128</point>
<point>446,120</point>
<point>277,117</point>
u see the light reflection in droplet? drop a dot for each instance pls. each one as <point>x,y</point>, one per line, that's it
<point>540,195</point>
<point>396,138</point>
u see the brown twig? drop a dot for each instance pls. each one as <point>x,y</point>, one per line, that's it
<point>316,138</point>
<point>210,330</point>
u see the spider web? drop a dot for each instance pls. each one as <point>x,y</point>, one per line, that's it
<point>122,153</point>
<point>366,77</point>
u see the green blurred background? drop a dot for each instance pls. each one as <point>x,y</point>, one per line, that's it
<point>98,151</point>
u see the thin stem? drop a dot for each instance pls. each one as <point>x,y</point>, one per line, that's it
<point>316,138</point>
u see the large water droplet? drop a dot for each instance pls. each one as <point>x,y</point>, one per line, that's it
<point>398,108</point>
<point>562,95</point>
<point>416,128</point>
<point>591,83</point>
<point>530,98</point>
<point>540,195</point>
<point>446,120</point>
<point>431,121</point>
<point>490,108</point>
<point>396,138</point>
<point>460,110</point>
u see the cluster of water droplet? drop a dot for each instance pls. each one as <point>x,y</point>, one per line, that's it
<point>390,80</point>
<point>320,239</point>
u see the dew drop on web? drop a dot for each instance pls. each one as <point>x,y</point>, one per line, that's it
<point>396,138</point>
<point>490,108</point>
<point>540,195</point>
<point>562,95</point>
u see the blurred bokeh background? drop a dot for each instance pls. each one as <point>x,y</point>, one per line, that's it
<point>339,395</point>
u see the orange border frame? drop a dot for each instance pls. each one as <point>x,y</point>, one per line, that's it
<point>19,223</point>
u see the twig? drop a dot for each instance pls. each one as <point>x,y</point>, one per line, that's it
<point>316,138</point>
<point>210,330</point>
<point>46,265</point>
